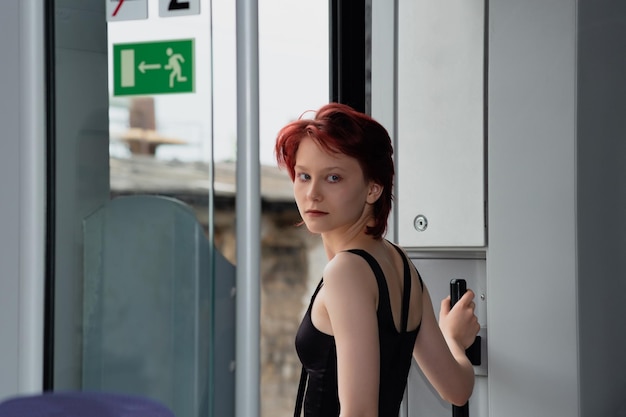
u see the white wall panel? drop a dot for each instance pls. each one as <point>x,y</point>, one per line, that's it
<point>440,123</point>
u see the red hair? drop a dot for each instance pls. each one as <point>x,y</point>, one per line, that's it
<point>338,128</point>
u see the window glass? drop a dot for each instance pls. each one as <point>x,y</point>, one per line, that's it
<point>177,139</point>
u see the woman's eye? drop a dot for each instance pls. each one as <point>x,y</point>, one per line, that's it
<point>302,176</point>
<point>333,178</point>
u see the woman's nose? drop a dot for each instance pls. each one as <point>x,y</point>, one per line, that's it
<point>313,193</point>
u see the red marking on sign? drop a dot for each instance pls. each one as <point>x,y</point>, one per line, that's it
<point>119,4</point>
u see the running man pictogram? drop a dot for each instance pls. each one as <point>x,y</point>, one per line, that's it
<point>173,63</point>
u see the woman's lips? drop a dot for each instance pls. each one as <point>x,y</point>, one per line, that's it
<point>316,213</point>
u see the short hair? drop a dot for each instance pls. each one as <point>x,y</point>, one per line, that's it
<point>339,128</point>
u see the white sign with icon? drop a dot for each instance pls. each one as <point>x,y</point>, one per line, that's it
<point>172,8</point>
<point>117,10</point>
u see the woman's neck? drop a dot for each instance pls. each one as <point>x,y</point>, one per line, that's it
<point>334,244</point>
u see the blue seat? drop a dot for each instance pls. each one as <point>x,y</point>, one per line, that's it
<point>82,404</point>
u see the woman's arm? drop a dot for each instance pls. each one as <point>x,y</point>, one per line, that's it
<point>350,299</point>
<point>440,347</point>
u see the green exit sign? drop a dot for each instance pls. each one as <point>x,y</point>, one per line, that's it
<point>153,67</point>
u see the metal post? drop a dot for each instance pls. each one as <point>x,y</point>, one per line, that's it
<point>248,211</point>
<point>32,196</point>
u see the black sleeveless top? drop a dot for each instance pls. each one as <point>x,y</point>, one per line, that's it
<point>318,354</point>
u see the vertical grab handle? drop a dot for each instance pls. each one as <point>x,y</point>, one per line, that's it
<point>457,289</point>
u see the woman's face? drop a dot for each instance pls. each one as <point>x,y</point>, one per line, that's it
<point>330,190</point>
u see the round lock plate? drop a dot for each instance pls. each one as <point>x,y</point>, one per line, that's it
<point>420,223</point>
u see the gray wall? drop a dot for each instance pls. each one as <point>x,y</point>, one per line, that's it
<point>532,253</point>
<point>601,202</point>
<point>10,197</point>
<point>557,181</point>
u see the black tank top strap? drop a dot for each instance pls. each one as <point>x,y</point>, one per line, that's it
<point>406,291</point>
<point>319,287</point>
<point>406,264</point>
<point>383,296</point>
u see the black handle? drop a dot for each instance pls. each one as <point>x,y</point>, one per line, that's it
<point>458,287</point>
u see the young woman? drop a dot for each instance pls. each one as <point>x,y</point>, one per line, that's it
<point>371,311</point>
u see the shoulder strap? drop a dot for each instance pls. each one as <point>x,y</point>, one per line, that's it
<point>378,273</point>
<point>317,289</point>
<point>406,290</point>
<point>406,263</point>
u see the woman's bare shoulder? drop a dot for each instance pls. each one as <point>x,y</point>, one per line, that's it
<point>349,272</point>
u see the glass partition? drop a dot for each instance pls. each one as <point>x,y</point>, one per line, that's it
<point>145,135</point>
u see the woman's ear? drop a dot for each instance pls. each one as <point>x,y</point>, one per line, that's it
<point>375,190</point>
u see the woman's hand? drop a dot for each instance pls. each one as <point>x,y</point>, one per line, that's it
<point>440,347</point>
<point>459,324</point>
